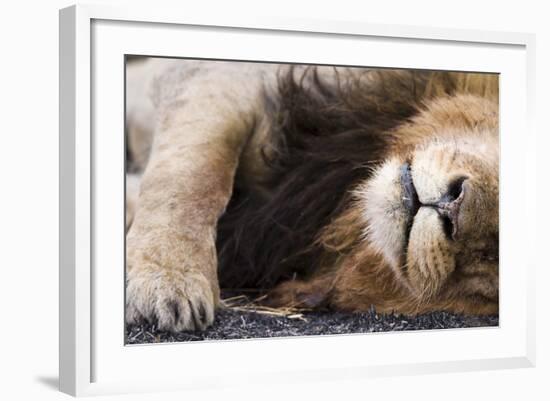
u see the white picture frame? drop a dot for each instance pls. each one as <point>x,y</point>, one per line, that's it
<point>93,358</point>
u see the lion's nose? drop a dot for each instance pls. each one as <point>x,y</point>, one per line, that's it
<point>449,206</point>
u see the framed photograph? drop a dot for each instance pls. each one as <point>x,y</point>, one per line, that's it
<point>303,199</point>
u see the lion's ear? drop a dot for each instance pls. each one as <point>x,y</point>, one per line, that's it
<point>313,300</point>
<point>312,294</point>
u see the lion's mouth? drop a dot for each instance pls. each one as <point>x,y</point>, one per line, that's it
<point>409,195</point>
<point>409,199</point>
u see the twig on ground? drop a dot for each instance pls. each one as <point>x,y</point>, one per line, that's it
<point>242,303</point>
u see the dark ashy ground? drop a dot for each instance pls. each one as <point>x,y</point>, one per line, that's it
<point>236,323</point>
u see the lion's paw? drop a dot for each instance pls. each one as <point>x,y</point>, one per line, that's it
<point>173,300</point>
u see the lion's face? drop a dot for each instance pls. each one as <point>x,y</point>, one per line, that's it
<point>432,211</point>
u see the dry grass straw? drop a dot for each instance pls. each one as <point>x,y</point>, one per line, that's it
<point>242,303</point>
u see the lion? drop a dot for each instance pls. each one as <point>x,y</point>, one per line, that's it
<point>339,188</point>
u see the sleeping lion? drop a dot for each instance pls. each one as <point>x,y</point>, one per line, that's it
<point>323,187</point>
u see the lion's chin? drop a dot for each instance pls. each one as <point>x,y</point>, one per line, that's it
<point>386,218</point>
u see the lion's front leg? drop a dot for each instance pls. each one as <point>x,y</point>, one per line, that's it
<point>170,252</point>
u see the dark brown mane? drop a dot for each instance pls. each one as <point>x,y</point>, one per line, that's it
<point>326,137</point>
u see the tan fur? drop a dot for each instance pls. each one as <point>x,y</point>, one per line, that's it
<point>209,122</point>
<point>199,137</point>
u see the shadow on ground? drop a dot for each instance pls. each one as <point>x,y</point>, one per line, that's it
<point>49,381</point>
